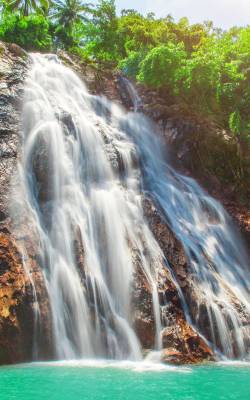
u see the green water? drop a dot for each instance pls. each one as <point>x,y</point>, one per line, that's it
<point>125,381</point>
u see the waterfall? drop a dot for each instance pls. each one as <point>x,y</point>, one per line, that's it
<point>85,167</point>
<point>131,91</point>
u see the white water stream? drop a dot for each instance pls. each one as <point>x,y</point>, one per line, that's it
<point>85,164</point>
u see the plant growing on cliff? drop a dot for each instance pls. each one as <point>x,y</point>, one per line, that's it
<point>235,122</point>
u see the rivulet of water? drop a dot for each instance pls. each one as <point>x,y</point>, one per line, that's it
<point>83,171</point>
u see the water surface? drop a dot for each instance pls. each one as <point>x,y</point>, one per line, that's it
<point>94,380</point>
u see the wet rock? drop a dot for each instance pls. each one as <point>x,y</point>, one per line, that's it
<point>172,248</point>
<point>124,93</point>
<point>12,74</point>
<point>181,343</point>
<point>17,50</point>
<point>79,251</point>
<point>143,313</point>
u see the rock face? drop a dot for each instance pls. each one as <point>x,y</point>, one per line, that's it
<point>19,326</point>
<point>15,291</point>
<point>12,73</point>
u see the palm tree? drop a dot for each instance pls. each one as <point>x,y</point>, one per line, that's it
<point>68,12</point>
<point>26,7</point>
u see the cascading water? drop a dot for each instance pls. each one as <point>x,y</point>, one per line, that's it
<point>217,257</point>
<point>132,93</point>
<point>84,167</point>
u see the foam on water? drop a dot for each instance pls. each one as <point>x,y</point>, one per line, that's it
<point>234,363</point>
<point>136,366</point>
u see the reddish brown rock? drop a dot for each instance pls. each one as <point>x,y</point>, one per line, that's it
<point>182,345</point>
<point>16,305</point>
<point>25,319</point>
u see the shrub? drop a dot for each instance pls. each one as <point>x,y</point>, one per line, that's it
<point>31,32</point>
<point>131,65</point>
<point>163,66</point>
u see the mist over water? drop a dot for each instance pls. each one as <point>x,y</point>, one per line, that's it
<point>85,167</point>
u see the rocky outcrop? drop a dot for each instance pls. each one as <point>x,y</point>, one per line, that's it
<point>19,316</point>
<point>181,342</point>
<point>12,74</point>
<point>15,299</point>
<point>15,292</point>
<point>98,81</point>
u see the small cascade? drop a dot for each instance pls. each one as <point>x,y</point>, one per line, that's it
<point>85,167</point>
<point>129,90</point>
